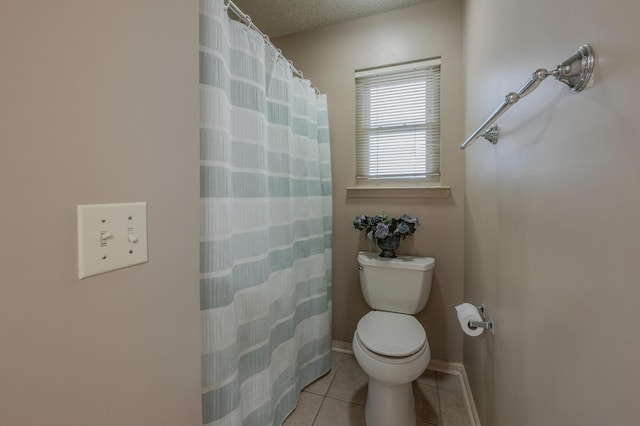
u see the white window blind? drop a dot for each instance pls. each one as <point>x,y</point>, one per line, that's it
<point>398,122</point>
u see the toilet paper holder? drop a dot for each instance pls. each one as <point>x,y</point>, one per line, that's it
<point>489,325</point>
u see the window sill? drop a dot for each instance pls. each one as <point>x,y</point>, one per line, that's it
<point>398,192</point>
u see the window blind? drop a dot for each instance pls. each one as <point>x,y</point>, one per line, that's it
<point>398,121</point>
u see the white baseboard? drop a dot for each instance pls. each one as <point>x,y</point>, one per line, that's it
<point>457,369</point>
<point>342,347</point>
<point>454,368</point>
<point>469,396</point>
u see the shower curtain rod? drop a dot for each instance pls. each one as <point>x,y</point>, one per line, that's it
<point>246,19</point>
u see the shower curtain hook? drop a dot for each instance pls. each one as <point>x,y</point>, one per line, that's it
<point>294,70</point>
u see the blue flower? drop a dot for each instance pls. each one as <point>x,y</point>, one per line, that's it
<point>357,223</point>
<point>403,228</point>
<point>382,230</point>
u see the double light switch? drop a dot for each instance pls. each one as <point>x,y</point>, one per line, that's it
<point>110,237</point>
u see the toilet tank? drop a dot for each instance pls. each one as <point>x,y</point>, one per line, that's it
<point>401,284</point>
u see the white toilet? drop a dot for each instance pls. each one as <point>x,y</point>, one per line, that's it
<point>389,343</point>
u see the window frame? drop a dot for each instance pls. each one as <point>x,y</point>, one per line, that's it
<point>380,75</point>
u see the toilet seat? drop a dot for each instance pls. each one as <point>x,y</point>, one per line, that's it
<point>391,334</point>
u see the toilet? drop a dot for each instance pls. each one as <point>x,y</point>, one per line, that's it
<point>390,344</point>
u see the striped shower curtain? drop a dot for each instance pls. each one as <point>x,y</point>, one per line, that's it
<point>265,249</point>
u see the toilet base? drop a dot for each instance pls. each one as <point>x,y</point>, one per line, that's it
<point>390,404</point>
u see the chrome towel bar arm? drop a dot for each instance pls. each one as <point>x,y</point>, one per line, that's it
<point>575,72</point>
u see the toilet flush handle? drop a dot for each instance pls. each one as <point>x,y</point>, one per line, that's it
<point>359,267</point>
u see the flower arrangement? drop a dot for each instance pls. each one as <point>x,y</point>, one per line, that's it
<point>383,226</point>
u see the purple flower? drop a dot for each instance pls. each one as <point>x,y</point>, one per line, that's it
<point>382,230</point>
<point>413,220</point>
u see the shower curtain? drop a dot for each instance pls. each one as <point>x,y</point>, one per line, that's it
<point>265,248</point>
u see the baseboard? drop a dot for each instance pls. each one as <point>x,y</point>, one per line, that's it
<point>445,367</point>
<point>458,369</point>
<point>467,390</point>
<point>454,368</point>
<point>342,347</point>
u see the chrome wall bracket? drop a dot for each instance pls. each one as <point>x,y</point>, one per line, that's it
<point>492,134</point>
<point>489,325</point>
<point>575,72</point>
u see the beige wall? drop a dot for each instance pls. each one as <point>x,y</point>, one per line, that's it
<point>98,104</point>
<point>328,57</point>
<point>551,226</point>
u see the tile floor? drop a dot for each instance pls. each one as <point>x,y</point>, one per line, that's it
<point>338,398</point>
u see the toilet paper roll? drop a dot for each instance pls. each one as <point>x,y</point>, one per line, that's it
<point>467,312</point>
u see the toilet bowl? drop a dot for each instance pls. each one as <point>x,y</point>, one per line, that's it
<point>389,343</point>
<point>392,349</point>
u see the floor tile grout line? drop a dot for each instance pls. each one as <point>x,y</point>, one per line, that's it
<point>324,397</point>
<point>344,400</point>
<point>339,399</point>
<point>440,417</point>
<point>318,411</point>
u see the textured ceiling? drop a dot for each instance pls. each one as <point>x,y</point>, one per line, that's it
<point>281,17</point>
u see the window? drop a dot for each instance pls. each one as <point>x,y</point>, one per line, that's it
<point>398,123</point>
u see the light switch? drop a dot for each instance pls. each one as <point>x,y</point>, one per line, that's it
<point>110,237</point>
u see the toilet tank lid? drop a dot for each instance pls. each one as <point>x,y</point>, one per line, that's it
<point>401,262</point>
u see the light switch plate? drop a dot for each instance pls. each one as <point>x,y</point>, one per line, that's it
<point>110,237</point>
